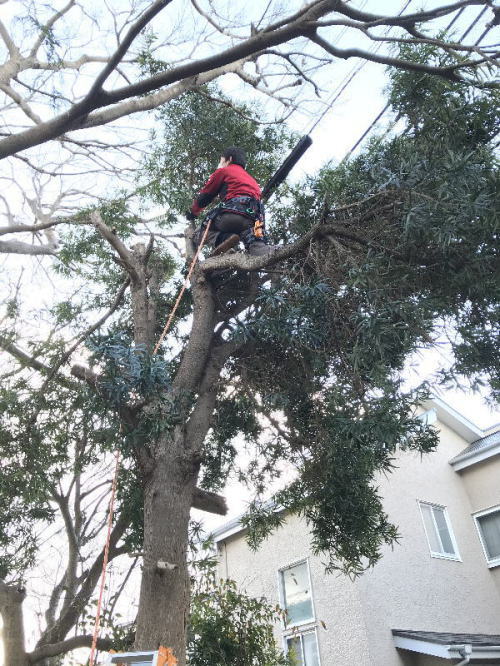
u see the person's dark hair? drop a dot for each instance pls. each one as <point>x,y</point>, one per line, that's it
<point>237,154</point>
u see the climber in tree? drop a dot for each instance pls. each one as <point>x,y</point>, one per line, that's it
<point>240,213</point>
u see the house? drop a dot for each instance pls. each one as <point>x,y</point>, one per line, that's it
<point>433,599</point>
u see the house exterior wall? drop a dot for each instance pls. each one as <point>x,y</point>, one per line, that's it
<point>407,589</point>
<point>335,599</point>
<point>482,484</point>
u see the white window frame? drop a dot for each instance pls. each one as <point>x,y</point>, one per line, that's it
<point>299,634</point>
<point>441,556</point>
<point>495,562</point>
<point>281,589</point>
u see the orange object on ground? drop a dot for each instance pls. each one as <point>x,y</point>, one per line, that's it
<point>166,657</point>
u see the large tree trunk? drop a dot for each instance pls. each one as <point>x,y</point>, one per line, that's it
<point>164,596</point>
<point>11,599</point>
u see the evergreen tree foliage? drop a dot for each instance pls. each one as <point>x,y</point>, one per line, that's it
<point>195,129</point>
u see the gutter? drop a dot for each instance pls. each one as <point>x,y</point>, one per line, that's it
<point>464,460</point>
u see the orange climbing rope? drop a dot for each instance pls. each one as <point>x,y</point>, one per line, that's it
<point>117,455</point>
<point>104,561</point>
<point>183,288</point>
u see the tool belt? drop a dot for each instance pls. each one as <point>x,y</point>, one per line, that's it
<point>246,206</point>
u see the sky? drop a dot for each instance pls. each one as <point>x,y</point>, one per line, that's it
<point>351,114</point>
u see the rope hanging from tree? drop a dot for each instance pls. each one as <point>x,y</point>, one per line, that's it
<point>117,455</point>
<point>105,561</point>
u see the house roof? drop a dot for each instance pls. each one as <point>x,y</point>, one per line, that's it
<point>444,638</point>
<point>478,648</point>
<point>454,420</point>
<point>228,529</point>
<point>480,449</point>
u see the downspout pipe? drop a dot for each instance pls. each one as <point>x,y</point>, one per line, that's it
<point>465,651</point>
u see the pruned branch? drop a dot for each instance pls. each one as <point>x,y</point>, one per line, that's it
<point>204,500</point>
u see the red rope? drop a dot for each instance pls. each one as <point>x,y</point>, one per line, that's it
<point>117,455</point>
<point>104,561</point>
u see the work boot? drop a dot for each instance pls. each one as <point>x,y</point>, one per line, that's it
<point>255,247</point>
<point>226,245</point>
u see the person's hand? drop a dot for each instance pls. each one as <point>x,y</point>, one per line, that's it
<point>223,163</point>
<point>190,216</point>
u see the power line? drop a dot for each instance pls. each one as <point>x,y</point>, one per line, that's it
<point>474,23</point>
<point>354,72</point>
<point>387,106</point>
<point>455,18</point>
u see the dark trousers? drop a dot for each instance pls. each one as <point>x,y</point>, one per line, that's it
<point>230,223</point>
<point>223,226</point>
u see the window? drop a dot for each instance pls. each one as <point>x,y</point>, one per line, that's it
<point>304,648</point>
<point>488,525</point>
<point>438,530</point>
<point>296,594</point>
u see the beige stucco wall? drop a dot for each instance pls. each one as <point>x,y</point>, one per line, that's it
<point>407,589</point>
<point>482,484</point>
<point>336,602</point>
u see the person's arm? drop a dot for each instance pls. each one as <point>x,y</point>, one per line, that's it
<point>208,192</point>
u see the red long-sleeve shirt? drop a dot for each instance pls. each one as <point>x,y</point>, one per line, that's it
<point>227,182</point>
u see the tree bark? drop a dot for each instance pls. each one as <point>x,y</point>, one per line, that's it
<point>11,600</point>
<point>164,596</point>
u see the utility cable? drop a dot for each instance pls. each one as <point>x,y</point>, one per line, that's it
<point>388,104</point>
<point>354,72</point>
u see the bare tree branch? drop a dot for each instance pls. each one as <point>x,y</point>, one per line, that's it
<point>122,49</point>
<point>9,42</point>
<point>124,253</point>
<point>45,30</point>
<point>62,647</point>
<point>301,24</point>
<point>18,247</point>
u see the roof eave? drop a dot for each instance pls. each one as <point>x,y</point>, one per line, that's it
<point>454,420</point>
<point>450,652</point>
<point>473,457</point>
